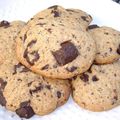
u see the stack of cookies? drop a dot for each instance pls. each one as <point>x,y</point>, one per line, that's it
<point>54,54</point>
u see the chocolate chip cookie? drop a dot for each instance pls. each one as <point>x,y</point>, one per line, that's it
<point>70,18</point>
<point>23,91</point>
<point>108,43</point>
<point>55,51</point>
<point>8,30</point>
<point>99,88</point>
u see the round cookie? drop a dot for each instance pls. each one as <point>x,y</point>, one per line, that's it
<point>99,88</point>
<point>55,51</point>
<point>70,18</point>
<point>25,92</point>
<point>108,43</point>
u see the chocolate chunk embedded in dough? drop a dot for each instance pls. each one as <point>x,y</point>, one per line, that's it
<point>118,50</point>
<point>93,26</point>
<point>84,77</point>
<point>25,112</point>
<point>67,53</point>
<point>4,24</point>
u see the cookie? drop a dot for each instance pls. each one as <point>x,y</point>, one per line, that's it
<point>99,88</point>
<point>108,43</point>
<point>82,18</point>
<point>25,92</point>
<point>55,51</point>
<point>11,30</point>
<point>70,18</point>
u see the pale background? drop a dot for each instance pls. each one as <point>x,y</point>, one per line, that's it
<point>104,12</point>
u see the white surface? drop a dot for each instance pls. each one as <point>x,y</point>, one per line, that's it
<point>104,12</point>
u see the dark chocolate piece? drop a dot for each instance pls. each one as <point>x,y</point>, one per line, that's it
<point>118,50</point>
<point>56,13</point>
<point>45,67</point>
<point>55,7</point>
<point>4,24</point>
<point>20,68</point>
<point>30,44</point>
<point>39,88</point>
<point>2,99</point>
<point>2,84</point>
<point>94,78</point>
<point>84,77</point>
<point>84,18</point>
<point>93,26</point>
<point>25,112</point>
<point>72,69</point>
<point>67,53</point>
<point>58,94</point>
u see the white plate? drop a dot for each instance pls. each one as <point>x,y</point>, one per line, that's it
<point>104,12</point>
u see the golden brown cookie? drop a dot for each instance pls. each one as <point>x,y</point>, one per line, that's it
<point>99,88</point>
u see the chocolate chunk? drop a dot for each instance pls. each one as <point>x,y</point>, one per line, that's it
<point>106,33</point>
<point>74,36</point>
<point>25,112</point>
<point>56,13</point>
<point>116,97</point>
<point>48,87</point>
<point>2,84</point>
<point>45,67</point>
<point>115,75</point>
<point>58,94</point>
<point>39,88</point>
<point>93,26</point>
<point>41,24</point>
<point>74,78</point>
<point>84,18</point>
<point>30,44</point>
<point>31,18</point>
<point>34,54</point>
<point>70,10</point>
<point>55,7</point>
<point>84,77</point>
<point>49,30</point>
<point>2,99</point>
<point>66,54</point>
<point>29,84</point>
<point>16,67</point>
<point>118,50</point>
<point>72,69</point>
<point>4,24</point>
<point>19,79</point>
<point>110,49</point>
<point>40,18</point>
<point>20,68</point>
<point>94,78</point>
<point>23,38</point>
